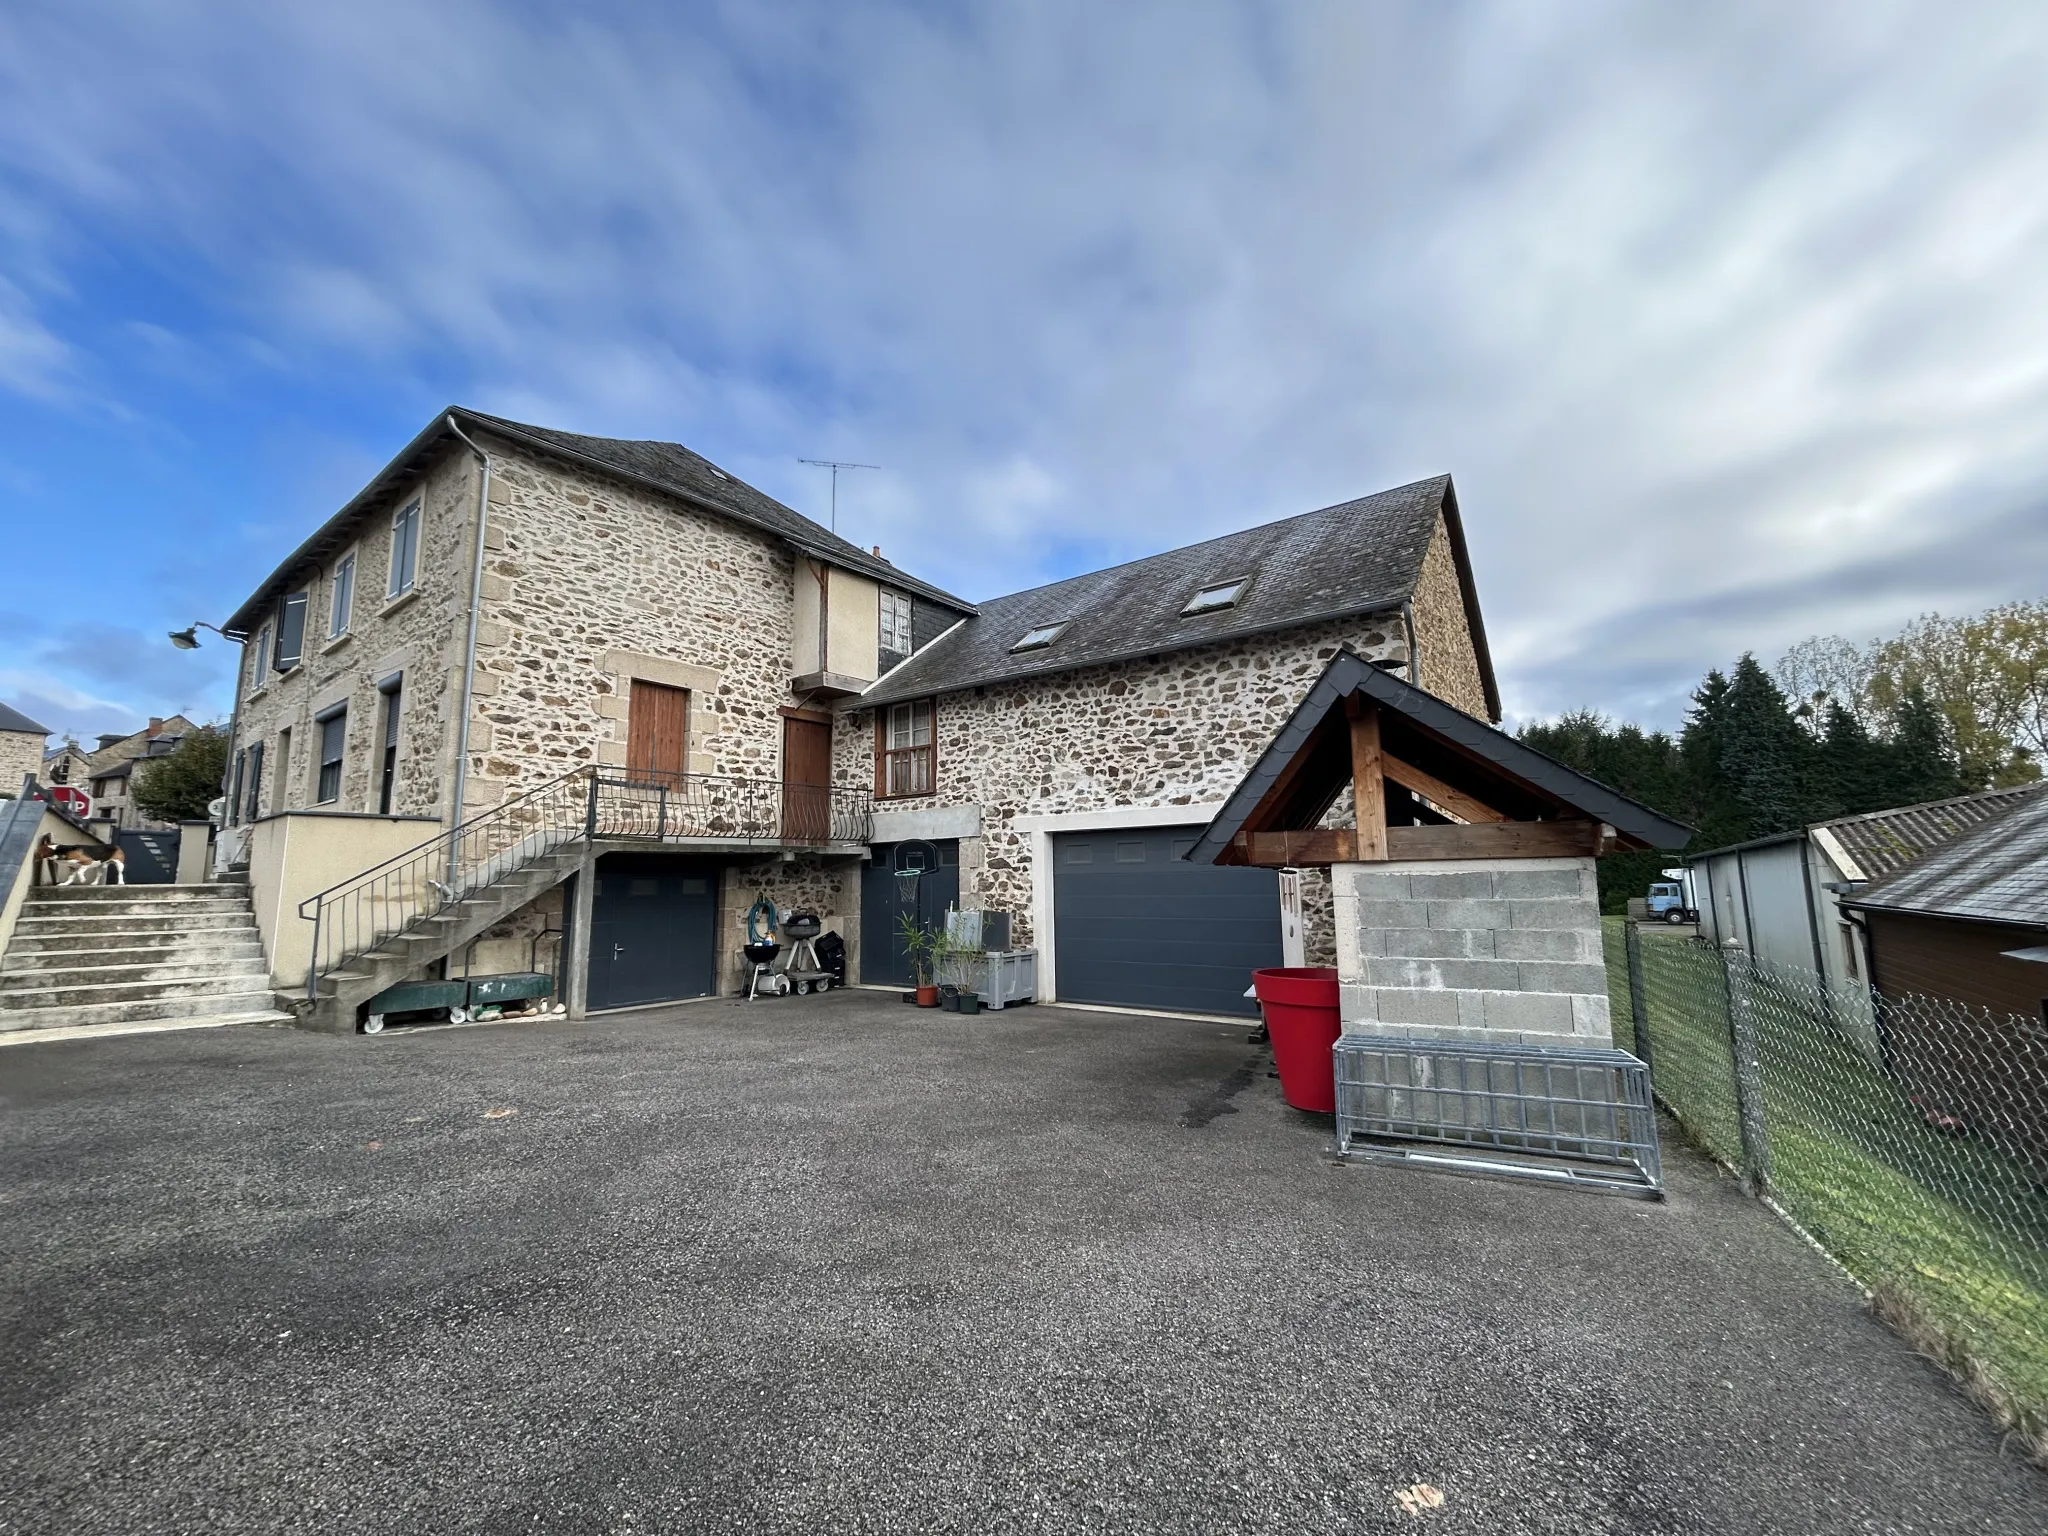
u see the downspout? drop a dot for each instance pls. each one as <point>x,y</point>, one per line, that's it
<point>476,598</point>
<point>1414,651</point>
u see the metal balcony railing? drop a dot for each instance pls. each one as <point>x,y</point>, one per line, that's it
<point>369,910</point>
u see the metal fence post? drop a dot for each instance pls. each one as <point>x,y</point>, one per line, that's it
<point>1638,992</point>
<point>1749,1080</point>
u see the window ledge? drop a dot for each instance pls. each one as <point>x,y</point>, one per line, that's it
<point>392,605</point>
<point>336,642</point>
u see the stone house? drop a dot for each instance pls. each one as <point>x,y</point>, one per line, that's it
<point>508,616</point>
<point>110,770</point>
<point>21,748</point>
<point>67,763</point>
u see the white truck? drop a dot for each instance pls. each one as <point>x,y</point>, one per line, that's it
<point>1672,899</point>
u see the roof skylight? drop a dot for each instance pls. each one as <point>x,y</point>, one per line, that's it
<point>1224,594</point>
<point>1038,639</point>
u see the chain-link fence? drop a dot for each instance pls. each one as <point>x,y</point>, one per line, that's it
<point>1907,1135</point>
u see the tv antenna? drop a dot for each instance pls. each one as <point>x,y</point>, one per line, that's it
<point>836,465</point>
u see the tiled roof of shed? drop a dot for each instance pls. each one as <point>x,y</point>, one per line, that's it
<point>1356,557</point>
<point>1884,842</point>
<point>1997,872</point>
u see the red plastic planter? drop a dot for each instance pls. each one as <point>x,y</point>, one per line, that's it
<point>1300,1004</point>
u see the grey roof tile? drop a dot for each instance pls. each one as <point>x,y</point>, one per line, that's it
<point>668,467</point>
<point>12,719</point>
<point>1356,557</point>
<point>1996,872</point>
<point>676,468</point>
<point>1884,842</point>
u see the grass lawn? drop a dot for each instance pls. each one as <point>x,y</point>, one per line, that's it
<point>1941,1223</point>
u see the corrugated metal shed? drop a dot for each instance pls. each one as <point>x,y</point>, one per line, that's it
<point>1884,842</point>
<point>1995,873</point>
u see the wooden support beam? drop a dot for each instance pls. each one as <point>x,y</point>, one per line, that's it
<point>1484,840</point>
<point>1498,840</point>
<point>1432,788</point>
<point>1368,782</point>
<point>1278,850</point>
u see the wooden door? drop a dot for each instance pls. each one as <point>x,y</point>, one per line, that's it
<point>806,781</point>
<point>657,731</point>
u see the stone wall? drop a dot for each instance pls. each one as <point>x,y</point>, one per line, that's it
<point>1180,729</point>
<point>21,753</point>
<point>829,886</point>
<point>590,583</point>
<point>419,635</point>
<point>1448,660</point>
<point>1506,951</point>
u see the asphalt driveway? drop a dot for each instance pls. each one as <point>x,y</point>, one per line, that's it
<point>836,1265</point>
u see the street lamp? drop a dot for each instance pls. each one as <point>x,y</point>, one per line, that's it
<point>187,639</point>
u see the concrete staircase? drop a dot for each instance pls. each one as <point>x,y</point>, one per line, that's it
<point>499,889</point>
<point>119,954</point>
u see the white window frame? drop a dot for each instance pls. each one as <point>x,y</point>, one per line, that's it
<point>413,511</point>
<point>341,596</point>
<point>1039,636</point>
<point>896,623</point>
<point>1216,596</point>
<point>916,735</point>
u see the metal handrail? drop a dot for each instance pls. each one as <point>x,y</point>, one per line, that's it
<point>370,909</point>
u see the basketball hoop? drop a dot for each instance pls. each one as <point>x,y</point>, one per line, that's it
<point>906,885</point>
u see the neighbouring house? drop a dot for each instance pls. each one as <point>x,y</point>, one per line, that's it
<point>651,694</point>
<point>67,763</point>
<point>1958,954</point>
<point>110,773</point>
<point>21,748</point>
<point>1466,905</point>
<point>1783,898</point>
<point>1969,920</point>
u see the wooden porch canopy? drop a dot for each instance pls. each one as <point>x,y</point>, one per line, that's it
<point>1428,781</point>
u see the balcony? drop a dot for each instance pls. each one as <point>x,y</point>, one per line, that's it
<point>722,811</point>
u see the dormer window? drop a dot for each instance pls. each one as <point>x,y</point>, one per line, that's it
<point>1223,594</point>
<point>1038,639</point>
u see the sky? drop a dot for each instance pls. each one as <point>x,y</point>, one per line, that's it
<point>1730,321</point>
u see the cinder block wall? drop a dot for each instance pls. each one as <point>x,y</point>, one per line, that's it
<point>1505,950</point>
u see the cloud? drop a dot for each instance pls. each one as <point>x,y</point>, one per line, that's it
<point>1731,321</point>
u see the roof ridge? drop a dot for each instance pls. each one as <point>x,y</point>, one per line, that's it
<point>1182,549</point>
<point>1934,805</point>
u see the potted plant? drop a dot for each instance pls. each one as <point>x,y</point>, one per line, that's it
<point>921,946</point>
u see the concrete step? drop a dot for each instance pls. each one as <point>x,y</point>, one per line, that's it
<point>46,903</point>
<point>244,1001</point>
<point>69,941</point>
<point>39,923</point>
<point>168,895</point>
<point>177,967</point>
<point>223,957</point>
<point>185,988</point>
<point>50,1034</point>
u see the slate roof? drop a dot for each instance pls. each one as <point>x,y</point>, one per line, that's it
<point>12,719</point>
<point>1357,557</point>
<point>1349,673</point>
<point>1884,842</point>
<point>666,467</point>
<point>1997,872</point>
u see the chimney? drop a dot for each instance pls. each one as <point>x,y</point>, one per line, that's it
<point>878,551</point>
<point>156,724</point>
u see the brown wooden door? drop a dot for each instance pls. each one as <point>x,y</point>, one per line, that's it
<point>657,733</point>
<point>806,781</point>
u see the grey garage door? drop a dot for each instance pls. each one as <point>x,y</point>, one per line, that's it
<point>1137,927</point>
